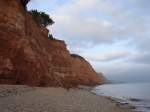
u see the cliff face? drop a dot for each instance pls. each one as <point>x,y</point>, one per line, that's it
<point>27,56</point>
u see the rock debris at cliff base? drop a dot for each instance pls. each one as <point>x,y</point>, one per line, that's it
<point>27,99</point>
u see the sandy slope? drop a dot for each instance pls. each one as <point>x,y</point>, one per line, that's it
<point>27,99</point>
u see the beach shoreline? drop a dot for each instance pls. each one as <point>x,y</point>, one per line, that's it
<point>37,99</point>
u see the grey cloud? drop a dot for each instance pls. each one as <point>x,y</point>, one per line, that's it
<point>106,57</point>
<point>140,57</point>
<point>125,72</point>
<point>142,5</point>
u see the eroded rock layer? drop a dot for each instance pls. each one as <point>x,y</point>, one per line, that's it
<point>28,57</point>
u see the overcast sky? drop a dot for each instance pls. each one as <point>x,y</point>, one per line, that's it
<point>114,35</point>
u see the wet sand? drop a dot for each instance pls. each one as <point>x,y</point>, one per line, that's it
<point>31,99</point>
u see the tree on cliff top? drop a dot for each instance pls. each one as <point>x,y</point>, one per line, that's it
<point>25,2</point>
<point>41,18</point>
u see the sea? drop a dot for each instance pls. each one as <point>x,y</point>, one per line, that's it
<point>135,94</point>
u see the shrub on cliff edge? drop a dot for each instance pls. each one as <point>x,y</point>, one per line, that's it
<point>41,18</point>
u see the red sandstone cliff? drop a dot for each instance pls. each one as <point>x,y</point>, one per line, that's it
<point>27,56</point>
